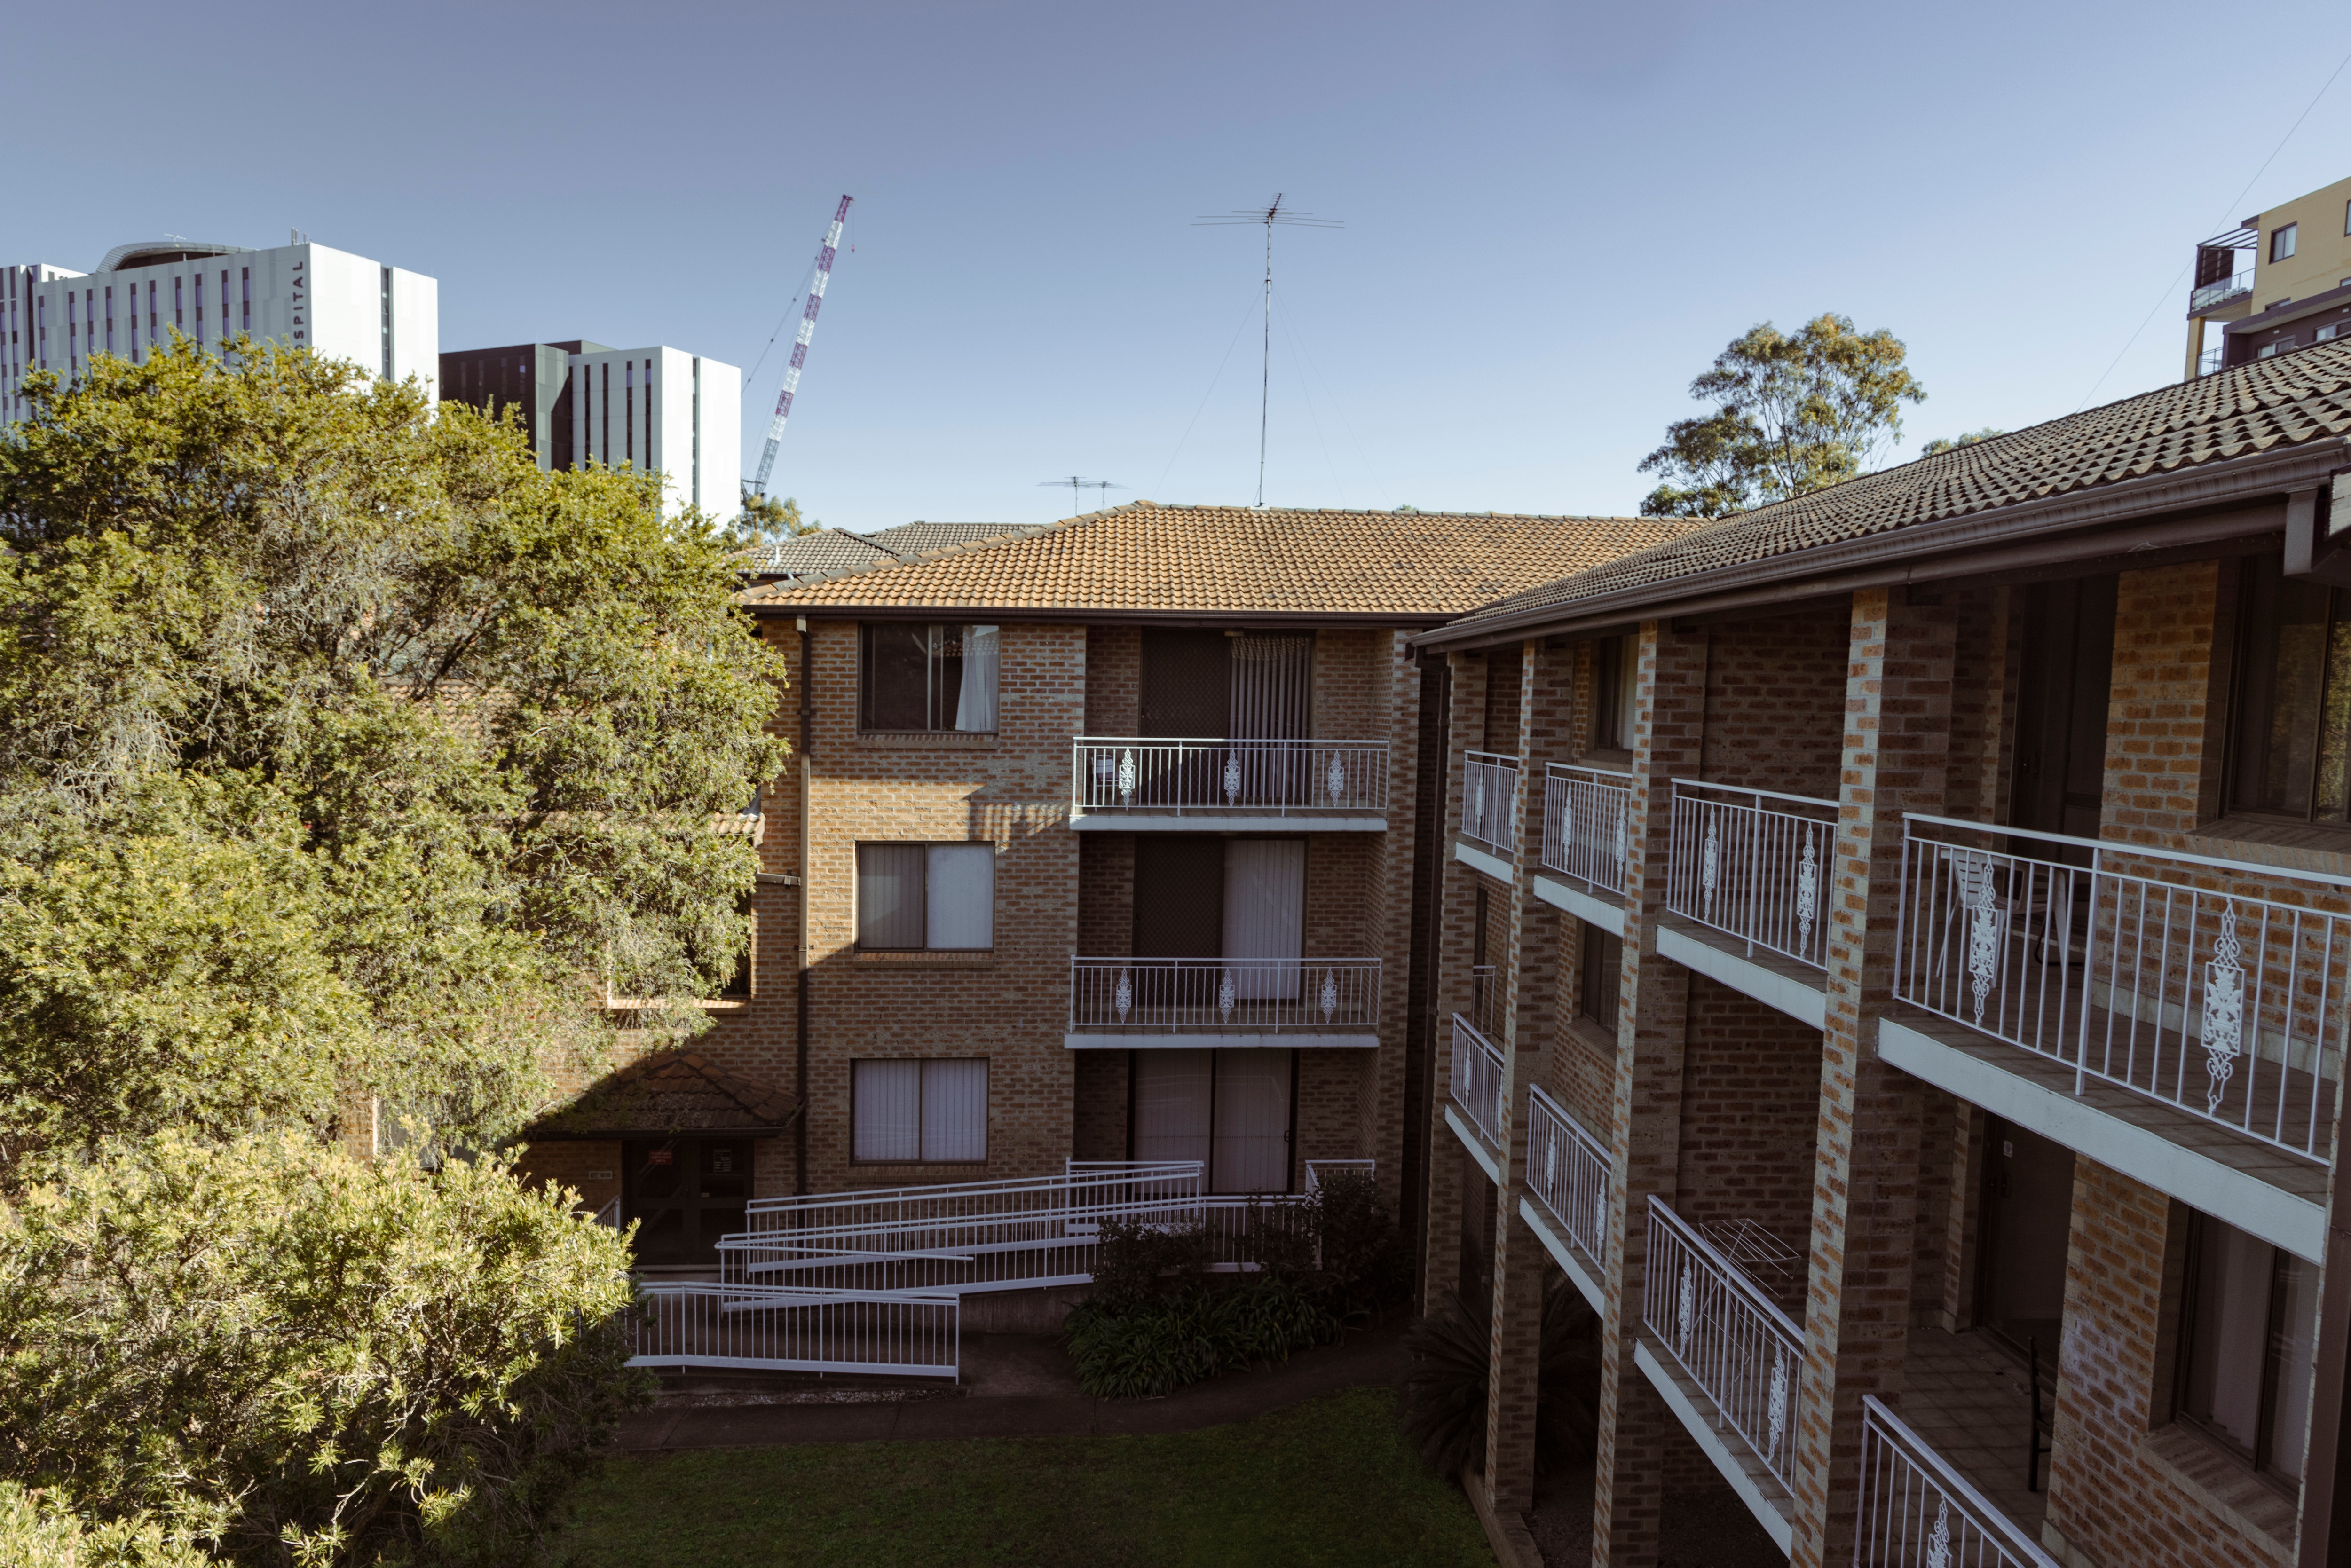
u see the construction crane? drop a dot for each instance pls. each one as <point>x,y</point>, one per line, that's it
<point>758,485</point>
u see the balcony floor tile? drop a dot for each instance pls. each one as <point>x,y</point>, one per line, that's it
<point>1965,1395</point>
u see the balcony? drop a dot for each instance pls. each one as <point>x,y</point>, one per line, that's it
<point>1569,1187</point>
<point>1751,865</point>
<point>1490,814</point>
<point>1728,1360</point>
<point>2178,1017</point>
<point>1476,1113</point>
<point>1124,1004</point>
<point>1587,815</point>
<point>1916,1509</point>
<point>1135,786</point>
<point>2219,292</point>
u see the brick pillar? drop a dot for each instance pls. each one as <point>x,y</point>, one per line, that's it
<point>1441,1246</point>
<point>1653,1008</point>
<point>1866,1191</point>
<point>1529,977</point>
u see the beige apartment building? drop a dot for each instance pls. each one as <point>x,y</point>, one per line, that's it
<point>2277,282</point>
<point>1105,841</point>
<point>1918,917</point>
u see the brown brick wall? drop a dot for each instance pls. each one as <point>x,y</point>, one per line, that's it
<point>1113,680</point>
<point>1101,1080</point>
<point>1106,894</point>
<point>1775,703</point>
<point>1750,1103</point>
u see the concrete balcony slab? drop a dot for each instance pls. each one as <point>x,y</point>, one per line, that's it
<point>1606,914</point>
<point>1572,1263</point>
<point>1480,1150</point>
<point>1501,868</point>
<point>1236,1039</point>
<point>2251,1184</point>
<point>1221,822</point>
<point>1800,993</point>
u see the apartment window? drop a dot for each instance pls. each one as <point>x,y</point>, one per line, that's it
<point>1616,690</point>
<point>914,898</point>
<point>927,677</point>
<point>2326,334</point>
<point>154,330</point>
<point>694,495</point>
<point>604,444</point>
<point>2282,242</point>
<point>179,310</point>
<point>2272,350</point>
<point>110,317</point>
<point>934,1112</point>
<point>386,308</point>
<point>2290,727</point>
<point>629,410</point>
<point>1603,965</point>
<point>244,286</point>
<point>2249,1324</point>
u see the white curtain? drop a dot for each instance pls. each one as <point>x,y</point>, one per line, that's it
<point>1172,1105</point>
<point>886,1097</point>
<point>890,896</point>
<point>1252,1142</point>
<point>962,898</point>
<point>1265,912</point>
<point>955,1110</point>
<point>976,705</point>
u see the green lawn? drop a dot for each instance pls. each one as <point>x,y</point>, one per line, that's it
<point>1325,1482</point>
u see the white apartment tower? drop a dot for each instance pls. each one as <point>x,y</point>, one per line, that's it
<point>345,307</point>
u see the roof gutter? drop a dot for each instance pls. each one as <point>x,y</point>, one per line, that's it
<point>2047,532</point>
<point>1089,615</point>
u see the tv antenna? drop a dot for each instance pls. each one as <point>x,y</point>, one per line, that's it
<point>1077,482</point>
<point>1272,214</point>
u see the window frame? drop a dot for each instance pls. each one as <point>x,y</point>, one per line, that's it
<point>2289,236</point>
<point>2262,1456</point>
<point>857,900</point>
<point>987,1066</point>
<point>1616,691</point>
<point>1595,1005</point>
<point>867,665</point>
<point>2252,693</point>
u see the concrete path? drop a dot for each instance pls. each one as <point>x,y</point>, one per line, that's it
<point>1021,1385</point>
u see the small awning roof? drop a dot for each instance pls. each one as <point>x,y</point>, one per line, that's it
<point>671,1092</point>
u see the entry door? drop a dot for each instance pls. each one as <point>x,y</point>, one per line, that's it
<point>1230,1109</point>
<point>1265,914</point>
<point>685,1193</point>
<point>2025,1224</point>
<point>2060,730</point>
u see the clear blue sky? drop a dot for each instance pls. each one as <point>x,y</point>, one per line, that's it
<point>1556,215</point>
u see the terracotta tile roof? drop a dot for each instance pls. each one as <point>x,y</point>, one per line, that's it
<point>831,550</point>
<point>1145,557</point>
<point>2258,407</point>
<point>673,1092</point>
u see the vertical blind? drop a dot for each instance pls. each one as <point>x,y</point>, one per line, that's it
<point>1271,686</point>
<point>1228,1109</point>
<point>915,897</point>
<point>1265,912</point>
<point>933,1112</point>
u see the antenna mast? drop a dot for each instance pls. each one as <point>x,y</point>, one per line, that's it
<point>1269,216</point>
<point>758,487</point>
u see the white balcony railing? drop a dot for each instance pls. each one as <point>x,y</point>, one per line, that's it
<point>1917,1511</point>
<point>1478,1079</point>
<point>2217,987</point>
<point>1755,864</point>
<point>2210,296</point>
<point>1587,813</point>
<point>1743,1352</point>
<point>1567,1170</point>
<point>1490,801</point>
<point>1224,996</point>
<point>1485,999</point>
<point>1219,777</point>
<point>892,1333</point>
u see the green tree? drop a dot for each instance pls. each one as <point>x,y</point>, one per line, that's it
<point>1953,442</point>
<point>343,749</point>
<point>765,520</point>
<point>1793,414</point>
<point>293,1357</point>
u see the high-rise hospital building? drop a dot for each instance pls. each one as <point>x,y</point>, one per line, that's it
<point>345,307</point>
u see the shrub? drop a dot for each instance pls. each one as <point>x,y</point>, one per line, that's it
<point>1443,1400</point>
<point>1134,1259</point>
<point>294,1356</point>
<point>1157,1346</point>
<point>40,1530</point>
<point>1363,1264</point>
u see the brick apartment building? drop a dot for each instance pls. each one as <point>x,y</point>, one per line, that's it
<point>1100,841</point>
<point>1919,922</point>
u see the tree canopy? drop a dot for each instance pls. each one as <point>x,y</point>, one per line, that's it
<point>765,520</point>
<point>1793,414</point>
<point>1953,442</point>
<point>344,750</point>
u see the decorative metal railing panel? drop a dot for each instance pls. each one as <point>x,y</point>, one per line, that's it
<point>1755,864</point>
<point>1219,777</point>
<point>904,1335</point>
<point>2215,986</point>
<point>1743,1352</point>
<point>1319,1171</point>
<point>1567,1171</point>
<point>1224,996</point>
<point>1587,824</point>
<point>1490,801</point>
<point>1478,1079</point>
<point>1917,1511</point>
